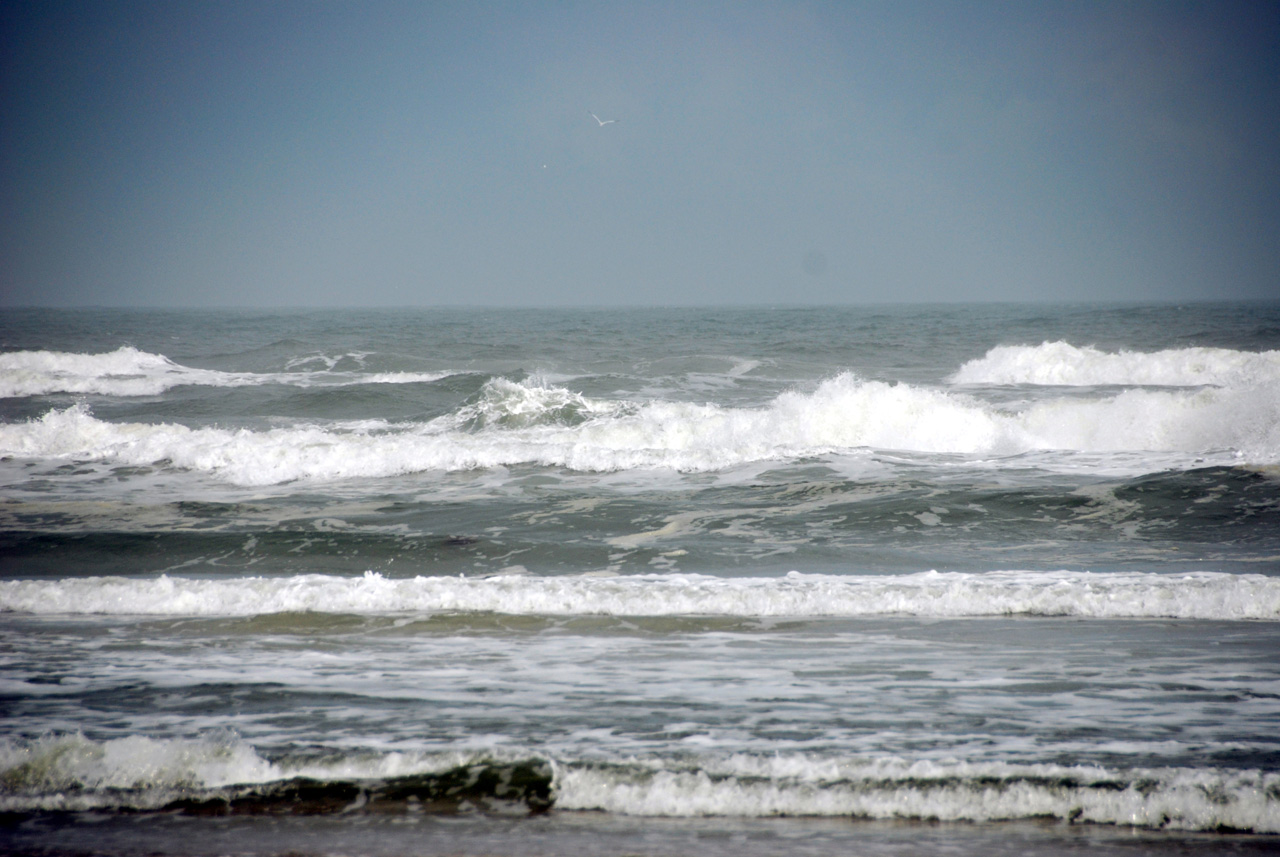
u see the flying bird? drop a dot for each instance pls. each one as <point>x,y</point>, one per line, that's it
<point>603,122</point>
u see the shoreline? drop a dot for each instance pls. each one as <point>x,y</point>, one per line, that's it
<point>559,832</point>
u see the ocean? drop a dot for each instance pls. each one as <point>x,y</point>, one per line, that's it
<point>886,580</point>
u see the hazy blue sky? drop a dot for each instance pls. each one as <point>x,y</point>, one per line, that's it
<point>366,153</point>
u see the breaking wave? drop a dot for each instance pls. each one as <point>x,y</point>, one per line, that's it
<point>525,423</point>
<point>892,788</point>
<point>1059,363</point>
<point>1205,595</point>
<point>130,372</point>
<point>221,774</point>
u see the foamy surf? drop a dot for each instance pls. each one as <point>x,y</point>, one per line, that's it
<point>522,423</point>
<point>130,372</point>
<point>220,772</point>
<point>1168,798</point>
<point>1204,595</point>
<point>1060,363</point>
<point>224,774</point>
<point>625,492</point>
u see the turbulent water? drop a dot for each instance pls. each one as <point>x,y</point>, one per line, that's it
<point>994,564</point>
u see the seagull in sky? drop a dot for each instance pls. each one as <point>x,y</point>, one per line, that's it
<point>603,122</point>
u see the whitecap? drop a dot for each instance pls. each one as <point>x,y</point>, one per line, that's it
<point>1112,595</point>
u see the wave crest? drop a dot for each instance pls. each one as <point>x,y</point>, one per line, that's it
<point>220,773</point>
<point>522,423</point>
<point>1062,364</point>
<point>1167,798</point>
<point>506,404</point>
<point>1207,595</point>
<point>130,372</point>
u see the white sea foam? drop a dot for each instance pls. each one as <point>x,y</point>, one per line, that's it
<point>523,423</point>
<point>1205,595</point>
<point>130,372</point>
<point>1059,363</point>
<point>71,772</point>
<point>39,773</point>
<point>1170,798</point>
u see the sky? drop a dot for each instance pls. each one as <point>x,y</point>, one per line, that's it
<point>318,154</point>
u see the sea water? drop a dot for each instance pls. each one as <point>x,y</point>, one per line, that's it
<point>878,580</point>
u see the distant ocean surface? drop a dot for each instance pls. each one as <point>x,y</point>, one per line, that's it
<point>879,580</point>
